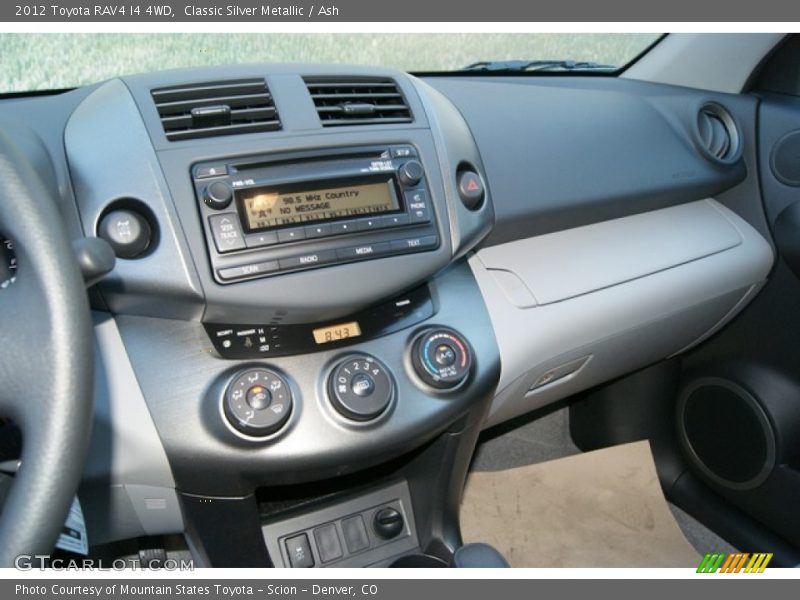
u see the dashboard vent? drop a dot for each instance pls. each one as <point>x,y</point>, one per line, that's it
<point>358,101</point>
<point>201,110</point>
<point>718,134</point>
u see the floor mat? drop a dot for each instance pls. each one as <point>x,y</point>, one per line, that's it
<point>598,509</point>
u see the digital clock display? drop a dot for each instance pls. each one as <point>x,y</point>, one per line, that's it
<point>336,333</point>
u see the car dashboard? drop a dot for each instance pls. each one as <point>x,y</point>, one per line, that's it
<point>331,279</point>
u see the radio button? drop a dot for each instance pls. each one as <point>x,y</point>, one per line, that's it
<point>256,240</point>
<point>394,221</point>
<point>364,251</point>
<point>247,270</point>
<point>226,232</point>
<point>292,235</point>
<point>417,244</point>
<point>343,227</point>
<point>316,231</point>
<point>308,260</point>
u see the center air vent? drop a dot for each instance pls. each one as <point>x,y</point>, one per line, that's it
<point>216,108</point>
<point>718,134</point>
<point>358,101</point>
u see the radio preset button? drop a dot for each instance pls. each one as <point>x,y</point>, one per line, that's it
<point>370,224</point>
<point>394,221</point>
<point>256,240</point>
<point>248,270</point>
<point>292,235</point>
<point>308,260</point>
<point>316,231</point>
<point>226,231</point>
<point>343,227</point>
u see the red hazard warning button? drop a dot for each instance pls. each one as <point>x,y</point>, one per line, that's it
<point>470,189</point>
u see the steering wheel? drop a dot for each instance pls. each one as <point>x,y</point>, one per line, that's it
<point>46,361</point>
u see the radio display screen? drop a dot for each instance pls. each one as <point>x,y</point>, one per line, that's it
<point>269,207</point>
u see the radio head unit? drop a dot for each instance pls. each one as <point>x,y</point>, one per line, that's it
<point>279,213</point>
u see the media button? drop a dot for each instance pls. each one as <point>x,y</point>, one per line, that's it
<point>291,235</point>
<point>364,251</point>
<point>308,260</point>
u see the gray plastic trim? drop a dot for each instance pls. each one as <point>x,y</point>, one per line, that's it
<point>126,455</point>
<point>569,263</point>
<point>624,323</point>
<point>110,159</point>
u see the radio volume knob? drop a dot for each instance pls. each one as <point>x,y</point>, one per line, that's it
<point>410,173</point>
<point>218,195</point>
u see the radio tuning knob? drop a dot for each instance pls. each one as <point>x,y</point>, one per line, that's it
<point>218,195</point>
<point>410,173</point>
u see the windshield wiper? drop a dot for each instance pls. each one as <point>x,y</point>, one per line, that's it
<point>518,66</point>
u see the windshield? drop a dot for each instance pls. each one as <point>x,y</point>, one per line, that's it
<point>33,62</point>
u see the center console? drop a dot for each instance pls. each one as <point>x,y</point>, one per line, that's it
<point>309,340</point>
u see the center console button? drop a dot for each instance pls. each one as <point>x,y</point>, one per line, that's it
<point>328,544</point>
<point>418,208</point>
<point>355,534</point>
<point>360,387</point>
<point>299,552</point>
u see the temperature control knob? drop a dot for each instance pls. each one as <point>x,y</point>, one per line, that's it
<point>360,387</point>
<point>441,358</point>
<point>258,402</point>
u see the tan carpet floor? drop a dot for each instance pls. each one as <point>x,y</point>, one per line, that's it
<point>597,509</point>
